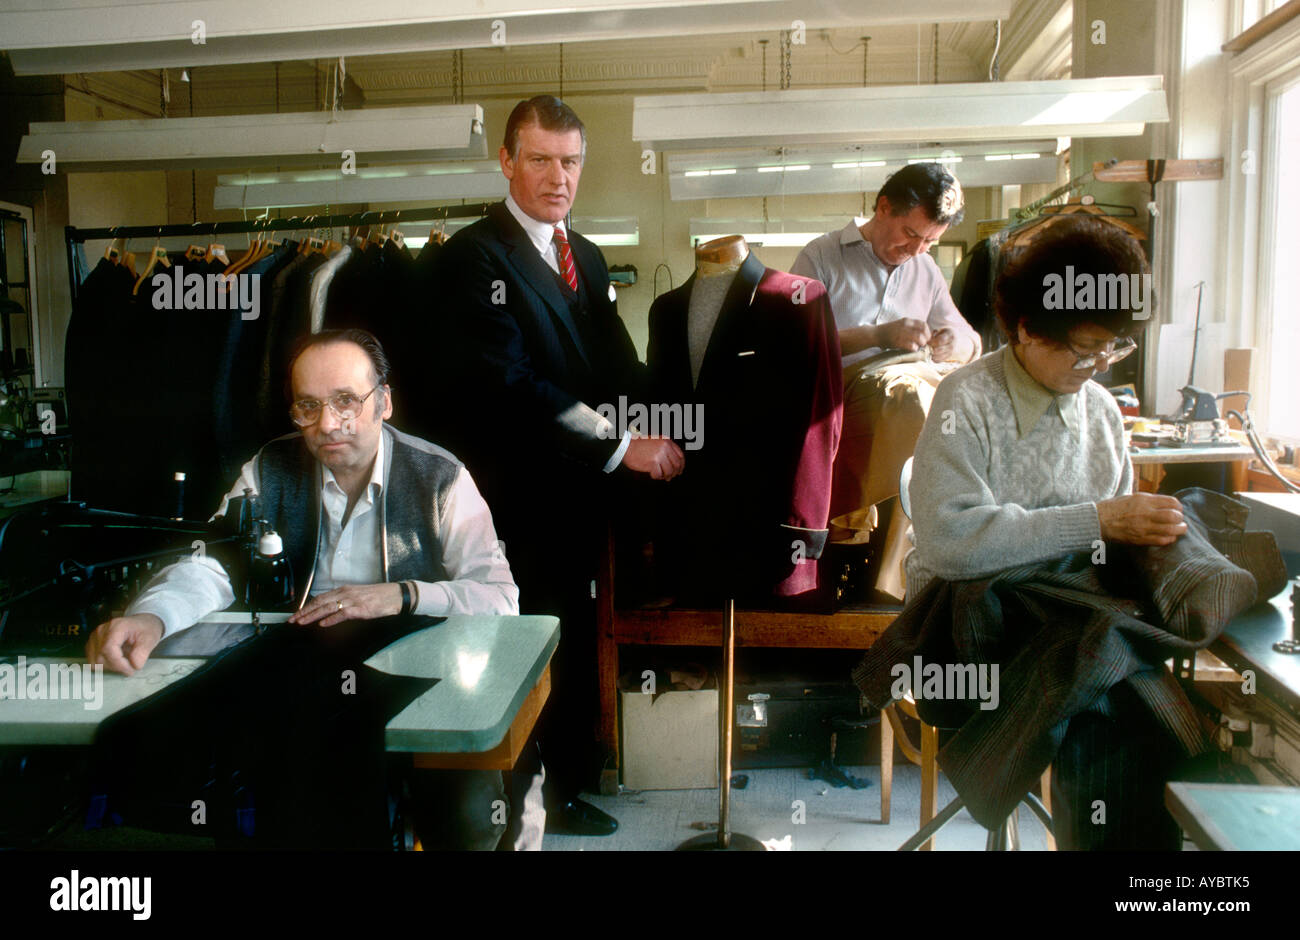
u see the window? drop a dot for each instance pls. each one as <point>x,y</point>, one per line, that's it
<point>1252,11</point>
<point>1284,344</point>
<point>1260,242</point>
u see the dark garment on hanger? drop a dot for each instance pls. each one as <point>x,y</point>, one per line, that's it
<point>290,320</point>
<point>240,376</point>
<point>973,291</point>
<point>428,253</point>
<point>107,397</point>
<point>373,291</point>
<point>756,496</point>
<point>269,736</point>
<point>185,348</point>
<point>271,405</point>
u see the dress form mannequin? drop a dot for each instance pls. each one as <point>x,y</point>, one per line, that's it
<point>716,264</point>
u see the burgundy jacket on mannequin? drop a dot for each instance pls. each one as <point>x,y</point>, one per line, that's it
<point>755,497</point>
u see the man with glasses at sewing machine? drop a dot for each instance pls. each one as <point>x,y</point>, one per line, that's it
<point>400,529</point>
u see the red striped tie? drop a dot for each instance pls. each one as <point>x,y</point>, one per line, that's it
<point>566,260</point>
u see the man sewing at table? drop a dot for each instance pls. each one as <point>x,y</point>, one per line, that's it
<point>401,528</point>
<point>888,294</point>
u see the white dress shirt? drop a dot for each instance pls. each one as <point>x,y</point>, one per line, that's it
<point>479,579</point>
<point>864,291</point>
<point>542,235</point>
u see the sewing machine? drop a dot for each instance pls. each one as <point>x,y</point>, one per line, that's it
<point>69,568</point>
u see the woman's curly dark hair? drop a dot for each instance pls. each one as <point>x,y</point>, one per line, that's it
<point>1029,290</point>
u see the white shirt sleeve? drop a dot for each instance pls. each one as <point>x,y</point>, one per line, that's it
<point>616,458</point>
<point>478,576</point>
<point>184,593</point>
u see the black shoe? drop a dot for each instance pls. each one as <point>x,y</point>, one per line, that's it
<point>579,818</point>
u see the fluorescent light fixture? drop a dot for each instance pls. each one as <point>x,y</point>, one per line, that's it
<point>772,233</point>
<point>786,171</point>
<point>308,138</point>
<point>420,184</point>
<point>604,231</point>
<point>1083,107</point>
<point>934,158</point>
<point>1025,156</point>
<point>56,37</point>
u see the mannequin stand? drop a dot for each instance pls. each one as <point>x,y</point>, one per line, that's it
<point>725,840</point>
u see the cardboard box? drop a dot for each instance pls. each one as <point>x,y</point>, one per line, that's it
<point>670,740</point>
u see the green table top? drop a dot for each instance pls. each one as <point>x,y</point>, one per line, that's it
<point>487,665</point>
<point>1231,817</point>
<point>1247,643</point>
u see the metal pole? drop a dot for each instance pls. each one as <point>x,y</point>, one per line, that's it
<point>725,841</point>
<point>727,693</point>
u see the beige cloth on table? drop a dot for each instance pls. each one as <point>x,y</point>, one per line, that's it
<point>884,410</point>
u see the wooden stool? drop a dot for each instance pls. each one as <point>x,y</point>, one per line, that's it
<point>927,758</point>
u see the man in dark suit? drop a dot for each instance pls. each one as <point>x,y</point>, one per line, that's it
<point>532,346</point>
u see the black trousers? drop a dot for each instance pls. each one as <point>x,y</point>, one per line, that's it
<point>1108,783</point>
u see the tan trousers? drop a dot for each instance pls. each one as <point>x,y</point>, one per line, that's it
<point>884,411</point>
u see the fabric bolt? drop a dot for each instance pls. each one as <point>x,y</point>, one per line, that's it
<point>748,516</point>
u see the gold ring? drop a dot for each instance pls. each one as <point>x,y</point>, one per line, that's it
<point>340,603</point>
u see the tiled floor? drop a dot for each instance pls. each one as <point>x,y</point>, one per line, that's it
<point>830,819</point>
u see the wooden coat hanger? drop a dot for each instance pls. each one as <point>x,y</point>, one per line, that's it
<point>114,250</point>
<point>157,256</point>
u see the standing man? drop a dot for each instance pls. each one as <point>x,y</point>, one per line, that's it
<point>887,293</point>
<point>533,345</point>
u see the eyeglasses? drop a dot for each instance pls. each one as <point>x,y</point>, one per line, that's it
<point>1112,353</point>
<point>306,412</point>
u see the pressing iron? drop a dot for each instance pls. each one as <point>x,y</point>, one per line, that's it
<point>1196,420</point>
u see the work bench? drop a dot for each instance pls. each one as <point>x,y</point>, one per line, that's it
<point>850,628</point>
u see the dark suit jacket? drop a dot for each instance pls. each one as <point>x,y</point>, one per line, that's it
<point>771,395</point>
<point>523,371</point>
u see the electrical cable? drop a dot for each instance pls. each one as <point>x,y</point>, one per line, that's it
<point>997,45</point>
<point>1248,426</point>
<point>654,278</point>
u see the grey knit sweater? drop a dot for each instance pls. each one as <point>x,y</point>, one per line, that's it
<point>1007,473</point>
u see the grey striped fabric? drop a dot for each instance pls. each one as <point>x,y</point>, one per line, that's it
<point>1064,633</point>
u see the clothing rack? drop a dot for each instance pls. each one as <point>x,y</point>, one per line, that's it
<point>74,236</point>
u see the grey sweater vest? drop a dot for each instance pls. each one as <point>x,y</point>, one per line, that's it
<point>418,477</point>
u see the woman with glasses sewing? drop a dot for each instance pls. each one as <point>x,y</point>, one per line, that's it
<point>1025,458</point>
<point>1032,553</point>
